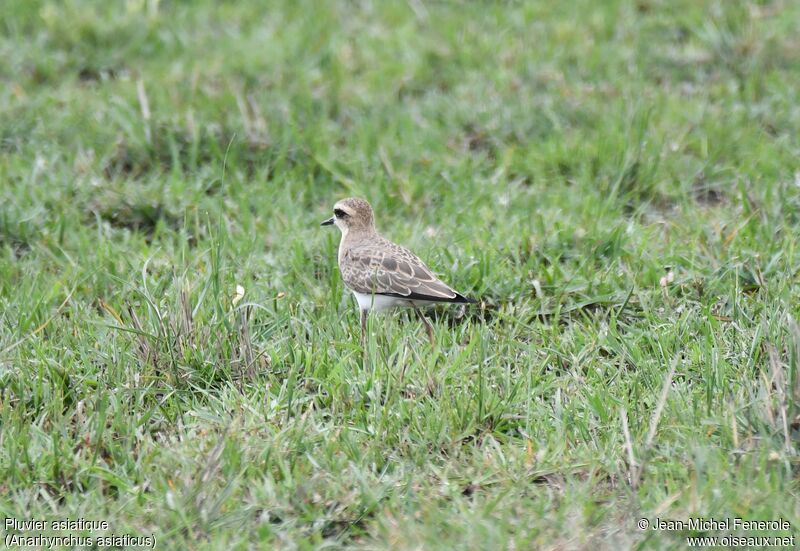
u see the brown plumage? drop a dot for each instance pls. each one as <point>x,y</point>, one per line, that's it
<point>380,273</point>
<point>385,268</point>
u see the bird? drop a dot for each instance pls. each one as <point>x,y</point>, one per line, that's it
<point>381,274</point>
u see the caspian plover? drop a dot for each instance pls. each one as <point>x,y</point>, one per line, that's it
<point>382,274</point>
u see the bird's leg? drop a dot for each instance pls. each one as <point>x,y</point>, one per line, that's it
<point>428,326</point>
<point>364,314</point>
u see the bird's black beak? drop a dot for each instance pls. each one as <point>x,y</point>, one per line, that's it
<point>327,222</point>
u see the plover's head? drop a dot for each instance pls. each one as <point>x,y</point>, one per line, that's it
<point>352,215</point>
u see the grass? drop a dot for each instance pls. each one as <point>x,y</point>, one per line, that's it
<point>550,159</point>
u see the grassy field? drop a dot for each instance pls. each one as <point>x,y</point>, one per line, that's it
<point>552,159</point>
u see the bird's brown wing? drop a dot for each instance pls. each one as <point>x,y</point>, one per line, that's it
<point>386,268</point>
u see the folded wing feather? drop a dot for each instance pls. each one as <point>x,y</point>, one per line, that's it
<point>388,268</point>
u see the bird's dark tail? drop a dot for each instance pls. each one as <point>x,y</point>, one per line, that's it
<point>461,299</point>
<point>458,299</point>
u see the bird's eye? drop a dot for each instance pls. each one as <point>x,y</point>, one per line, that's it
<point>339,213</point>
